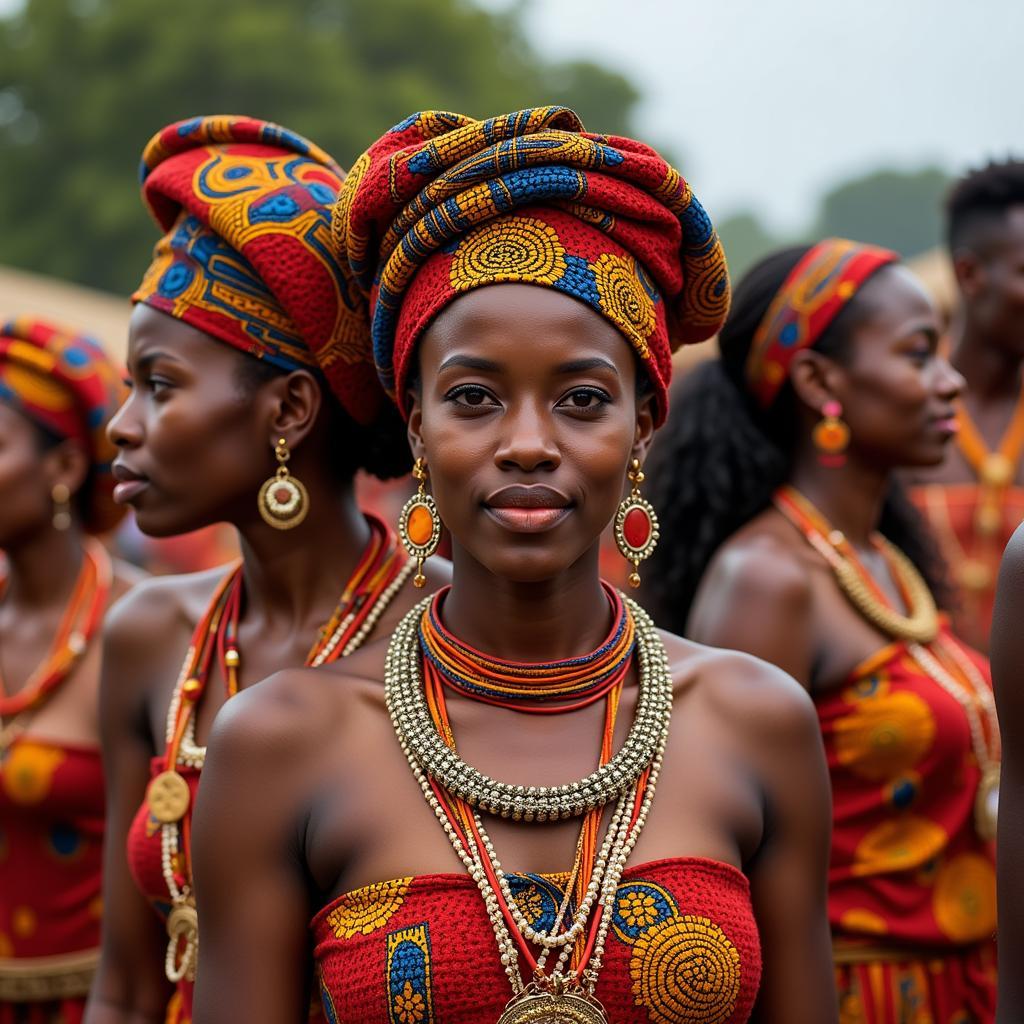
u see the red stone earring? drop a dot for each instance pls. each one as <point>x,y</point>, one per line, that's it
<point>636,525</point>
<point>831,436</point>
<point>419,525</point>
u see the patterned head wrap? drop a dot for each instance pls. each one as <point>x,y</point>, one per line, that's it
<point>443,204</point>
<point>811,297</point>
<point>247,257</point>
<point>65,383</point>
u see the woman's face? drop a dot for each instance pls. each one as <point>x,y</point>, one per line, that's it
<point>193,448</point>
<point>26,504</point>
<point>898,393</point>
<point>527,416</point>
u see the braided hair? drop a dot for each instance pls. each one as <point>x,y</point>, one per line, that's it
<point>719,459</point>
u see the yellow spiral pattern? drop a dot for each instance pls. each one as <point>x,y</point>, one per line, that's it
<point>885,736</point>
<point>964,901</point>
<point>363,911</point>
<point>624,300</point>
<point>686,969</point>
<point>508,250</point>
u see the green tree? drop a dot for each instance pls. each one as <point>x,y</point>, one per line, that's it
<point>898,209</point>
<point>84,83</point>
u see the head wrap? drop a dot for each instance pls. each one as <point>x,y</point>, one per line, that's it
<point>811,297</point>
<point>247,257</point>
<point>65,383</point>
<point>443,204</point>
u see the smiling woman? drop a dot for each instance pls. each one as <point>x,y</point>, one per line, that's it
<point>524,282</point>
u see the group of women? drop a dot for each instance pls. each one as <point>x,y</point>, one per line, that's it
<point>490,789</point>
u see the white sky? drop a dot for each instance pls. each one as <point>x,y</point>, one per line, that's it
<point>770,102</point>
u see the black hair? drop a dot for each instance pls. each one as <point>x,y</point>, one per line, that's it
<point>979,201</point>
<point>718,460</point>
<point>381,448</point>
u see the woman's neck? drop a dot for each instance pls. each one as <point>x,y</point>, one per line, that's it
<point>561,617</point>
<point>850,497</point>
<point>295,577</point>
<point>42,568</point>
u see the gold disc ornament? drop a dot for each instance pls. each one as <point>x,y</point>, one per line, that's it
<point>537,1007</point>
<point>168,797</point>
<point>986,804</point>
<point>283,500</point>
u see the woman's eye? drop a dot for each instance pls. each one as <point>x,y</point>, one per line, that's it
<point>157,385</point>
<point>585,399</point>
<point>469,396</point>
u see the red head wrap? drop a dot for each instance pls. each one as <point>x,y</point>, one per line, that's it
<point>443,204</point>
<point>64,382</point>
<point>811,297</point>
<point>247,258</point>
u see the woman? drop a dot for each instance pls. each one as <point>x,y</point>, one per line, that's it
<point>1007,658</point>
<point>786,539</point>
<point>225,386</point>
<point>523,281</point>
<point>57,391</point>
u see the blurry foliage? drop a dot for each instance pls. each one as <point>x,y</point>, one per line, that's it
<point>85,83</point>
<point>898,209</point>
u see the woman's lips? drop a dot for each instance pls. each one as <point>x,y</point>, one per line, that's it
<point>528,520</point>
<point>129,489</point>
<point>948,425</point>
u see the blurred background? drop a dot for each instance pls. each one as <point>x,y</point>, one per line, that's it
<point>792,119</point>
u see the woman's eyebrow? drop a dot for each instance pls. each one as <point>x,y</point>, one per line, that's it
<point>580,365</point>
<point>469,363</point>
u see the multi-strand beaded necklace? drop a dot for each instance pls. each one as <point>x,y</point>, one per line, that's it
<point>424,659</point>
<point>937,654</point>
<point>79,623</point>
<point>379,575</point>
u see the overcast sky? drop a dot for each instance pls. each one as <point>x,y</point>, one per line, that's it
<point>770,102</point>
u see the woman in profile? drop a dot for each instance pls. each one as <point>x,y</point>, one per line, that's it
<point>786,537</point>
<point>57,392</point>
<point>529,804</point>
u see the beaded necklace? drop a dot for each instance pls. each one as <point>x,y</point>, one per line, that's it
<point>378,576</point>
<point>938,655</point>
<point>82,616</point>
<point>577,936</point>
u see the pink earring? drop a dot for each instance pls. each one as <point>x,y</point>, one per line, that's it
<point>831,435</point>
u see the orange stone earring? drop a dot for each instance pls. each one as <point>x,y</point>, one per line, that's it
<point>419,525</point>
<point>831,436</point>
<point>636,525</point>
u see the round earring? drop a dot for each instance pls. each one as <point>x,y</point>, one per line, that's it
<point>61,496</point>
<point>636,525</point>
<point>419,525</point>
<point>283,501</point>
<point>831,436</point>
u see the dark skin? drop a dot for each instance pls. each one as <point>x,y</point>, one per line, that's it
<point>990,349</point>
<point>767,591</point>
<point>306,794</point>
<point>43,564</point>
<point>1007,658</point>
<point>202,444</point>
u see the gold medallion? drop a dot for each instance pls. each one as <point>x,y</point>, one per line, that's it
<point>533,1007</point>
<point>974,574</point>
<point>996,470</point>
<point>168,797</point>
<point>986,804</point>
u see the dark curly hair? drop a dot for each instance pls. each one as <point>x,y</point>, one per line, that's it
<point>718,460</point>
<point>978,202</point>
<point>381,448</point>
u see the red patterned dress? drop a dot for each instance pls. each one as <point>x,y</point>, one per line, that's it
<point>683,948</point>
<point>51,840</point>
<point>912,888</point>
<point>951,511</point>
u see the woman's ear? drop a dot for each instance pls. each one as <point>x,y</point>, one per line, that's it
<point>644,433</point>
<point>66,463</point>
<point>816,379</point>
<point>414,404</point>
<point>293,403</point>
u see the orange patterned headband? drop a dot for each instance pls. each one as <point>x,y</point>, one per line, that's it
<point>811,297</point>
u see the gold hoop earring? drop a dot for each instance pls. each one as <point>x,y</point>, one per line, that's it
<point>61,495</point>
<point>283,500</point>
<point>419,525</point>
<point>636,525</point>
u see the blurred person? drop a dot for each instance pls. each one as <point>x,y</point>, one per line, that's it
<point>57,392</point>
<point>785,536</point>
<point>974,500</point>
<point>527,282</point>
<point>1007,662</point>
<point>253,404</point>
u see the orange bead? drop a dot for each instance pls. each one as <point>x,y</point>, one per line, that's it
<point>420,527</point>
